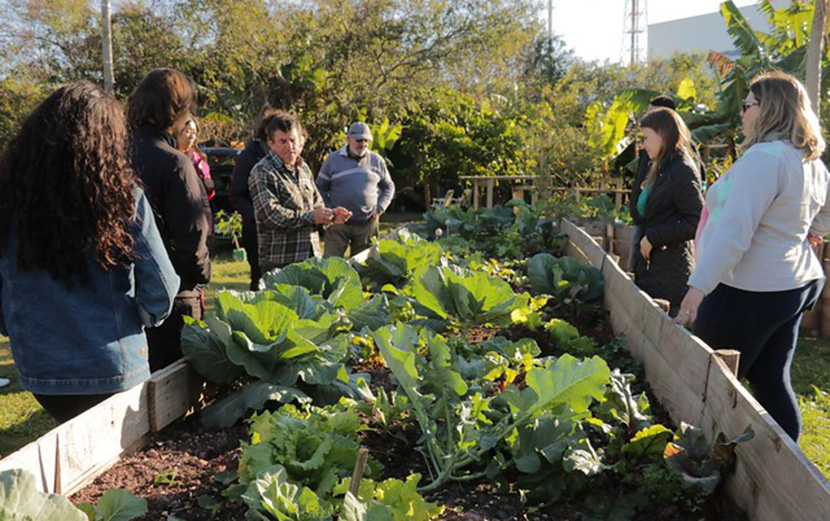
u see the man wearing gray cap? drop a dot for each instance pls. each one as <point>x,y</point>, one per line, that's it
<point>355,178</point>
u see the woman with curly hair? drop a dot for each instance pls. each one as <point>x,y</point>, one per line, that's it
<point>756,273</point>
<point>82,267</point>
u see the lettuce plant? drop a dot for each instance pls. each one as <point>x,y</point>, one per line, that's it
<point>316,446</point>
<point>390,500</point>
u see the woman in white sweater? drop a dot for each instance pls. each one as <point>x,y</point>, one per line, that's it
<point>755,272</point>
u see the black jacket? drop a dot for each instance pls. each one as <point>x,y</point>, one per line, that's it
<point>670,221</point>
<point>179,203</point>
<point>239,194</point>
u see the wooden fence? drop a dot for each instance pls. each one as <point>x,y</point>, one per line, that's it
<point>773,479</point>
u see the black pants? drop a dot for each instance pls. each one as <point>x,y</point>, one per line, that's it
<point>249,242</point>
<point>763,326</point>
<point>165,341</point>
<point>66,407</point>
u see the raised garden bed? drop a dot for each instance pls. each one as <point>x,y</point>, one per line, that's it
<point>179,465</point>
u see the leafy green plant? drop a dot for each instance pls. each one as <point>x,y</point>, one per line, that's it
<point>168,478</point>
<point>281,337</point>
<point>316,446</point>
<point>390,500</point>
<point>700,464</point>
<point>21,500</point>
<point>115,505</point>
<point>334,284</point>
<point>457,428</point>
<point>229,224</point>
<point>462,298</point>
<point>567,338</point>
<point>397,259</point>
<point>571,284</point>
<point>385,411</point>
<point>273,493</point>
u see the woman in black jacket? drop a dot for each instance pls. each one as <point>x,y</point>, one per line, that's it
<point>666,207</point>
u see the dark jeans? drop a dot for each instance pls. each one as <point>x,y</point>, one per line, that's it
<point>65,407</point>
<point>165,341</point>
<point>763,326</point>
<point>249,242</point>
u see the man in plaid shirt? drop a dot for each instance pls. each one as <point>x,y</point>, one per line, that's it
<point>287,205</point>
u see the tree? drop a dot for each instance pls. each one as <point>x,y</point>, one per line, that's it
<point>815,52</point>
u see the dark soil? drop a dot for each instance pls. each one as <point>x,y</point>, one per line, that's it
<point>174,471</point>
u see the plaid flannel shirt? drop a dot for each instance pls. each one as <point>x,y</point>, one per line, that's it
<point>284,201</point>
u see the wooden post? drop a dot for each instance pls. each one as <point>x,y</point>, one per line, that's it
<point>359,467</point>
<point>476,194</point>
<point>490,185</point>
<point>731,358</point>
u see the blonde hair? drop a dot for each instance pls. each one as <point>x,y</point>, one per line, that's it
<point>784,112</point>
<point>667,124</point>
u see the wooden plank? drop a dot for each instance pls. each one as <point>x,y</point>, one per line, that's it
<point>593,251</point>
<point>89,444</point>
<point>774,480</point>
<point>490,185</point>
<point>170,394</point>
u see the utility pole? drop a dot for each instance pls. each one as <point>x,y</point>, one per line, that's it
<point>550,18</point>
<point>107,44</point>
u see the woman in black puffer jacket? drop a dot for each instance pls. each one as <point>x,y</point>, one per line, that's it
<point>666,207</point>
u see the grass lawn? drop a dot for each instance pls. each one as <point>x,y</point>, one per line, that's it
<point>22,420</point>
<point>811,381</point>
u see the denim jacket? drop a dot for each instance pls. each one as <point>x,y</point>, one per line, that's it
<point>87,338</point>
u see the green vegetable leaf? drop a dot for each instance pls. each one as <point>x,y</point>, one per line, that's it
<point>21,500</point>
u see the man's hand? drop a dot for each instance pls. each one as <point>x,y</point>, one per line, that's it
<point>323,215</point>
<point>814,239</point>
<point>341,215</point>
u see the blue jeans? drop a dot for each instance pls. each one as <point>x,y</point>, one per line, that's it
<point>763,326</point>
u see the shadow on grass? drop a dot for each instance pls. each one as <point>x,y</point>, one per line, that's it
<point>29,428</point>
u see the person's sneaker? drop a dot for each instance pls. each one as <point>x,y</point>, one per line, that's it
<point>4,382</point>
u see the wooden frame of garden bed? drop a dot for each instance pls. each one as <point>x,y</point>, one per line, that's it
<point>773,479</point>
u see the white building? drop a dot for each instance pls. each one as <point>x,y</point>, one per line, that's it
<point>702,33</point>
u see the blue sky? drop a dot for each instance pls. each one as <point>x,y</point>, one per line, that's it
<point>594,28</point>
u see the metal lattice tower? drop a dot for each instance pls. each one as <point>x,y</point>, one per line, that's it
<point>635,25</point>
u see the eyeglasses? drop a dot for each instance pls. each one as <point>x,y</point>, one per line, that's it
<point>747,104</point>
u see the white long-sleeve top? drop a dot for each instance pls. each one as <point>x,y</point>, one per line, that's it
<point>760,214</point>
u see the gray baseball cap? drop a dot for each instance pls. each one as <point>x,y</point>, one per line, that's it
<point>359,130</point>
